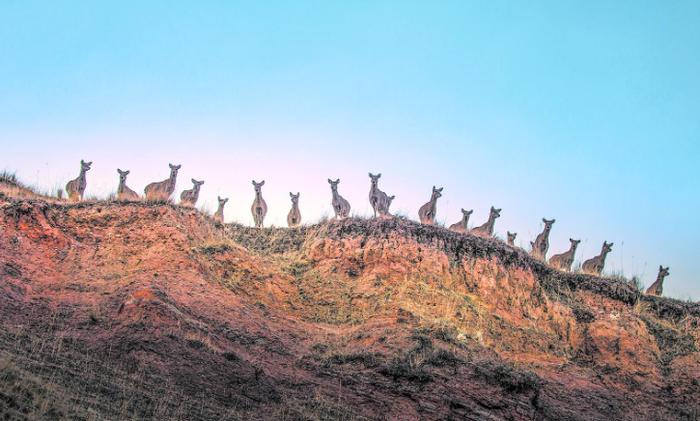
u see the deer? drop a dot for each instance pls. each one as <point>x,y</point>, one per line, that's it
<point>594,265</point>
<point>377,198</point>
<point>341,207</point>
<point>486,230</point>
<point>541,243</point>
<point>189,197</point>
<point>461,226</point>
<point>123,191</point>
<point>162,190</point>
<point>259,207</point>
<point>427,212</point>
<point>511,238</point>
<point>76,188</point>
<point>219,214</point>
<point>389,200</point>
<point>564,260</point>
<point>657,288</point>
<point>294,216</point>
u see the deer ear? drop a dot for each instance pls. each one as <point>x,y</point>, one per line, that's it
<point>262,183</point>
<point>379,175</point>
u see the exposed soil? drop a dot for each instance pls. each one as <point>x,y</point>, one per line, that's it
<point>116,310</point>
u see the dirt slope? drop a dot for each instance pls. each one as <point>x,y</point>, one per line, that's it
<point>115,310</point>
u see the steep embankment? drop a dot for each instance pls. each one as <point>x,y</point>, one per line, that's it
<point>152,310</point>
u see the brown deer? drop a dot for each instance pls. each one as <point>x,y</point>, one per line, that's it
<point>377,198</point>
<point>486,230</point>
<point>189,197</point>
<point>511,238</point>
<point>294,216</point>
<point>595,265</point>
<point>219,214</point>
<point>541,244</point>
<point>657,288</point>
<point>259,207</point>
<point>564,260</point>
<point>461,226</point>
<point>386,212</point>
<point>76,188</point>
<point>123,191</point>
<point>341,207</point>
<point>162,190</point>
<point>427,212</point>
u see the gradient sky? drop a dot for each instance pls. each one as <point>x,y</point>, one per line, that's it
<point>587,112</point>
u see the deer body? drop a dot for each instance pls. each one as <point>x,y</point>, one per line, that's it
<point>76,188</point>
<point>189,197</point>
<point>377,198</point>
<point>486,230</point>
<point>294,216</point>
<point>259,207</point>
<point>657,288</point>
<point>427,212</point>
<point>595,265</point>
<point>564,260</point>
<point>162,190</point>
<point>219,214</point>
<point>541,244</point>
<point>123,191</point>
<point>341,207</point>
<point>461,226</point>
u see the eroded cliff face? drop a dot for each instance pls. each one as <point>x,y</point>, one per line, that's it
<point>152,310</point>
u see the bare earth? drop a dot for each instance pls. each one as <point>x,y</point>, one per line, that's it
<point>112,310</point>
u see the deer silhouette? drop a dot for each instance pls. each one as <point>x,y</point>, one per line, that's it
<point>294,216</point>
<point>189,197</point>
<point>259,207</point>
<point>595,265</point>
<point>76,188</point>
<point>377,198</point>
<point>162,190</point>
<point>341,207</point>
<point>427,212</point>
<point>541,244</point>
<point>564,260</point>
<point>461,226</point>
<point>219,214</point>
<point>123,191</point>
<point>486,230</point>
<point>511,238</point>
<point>657,288</point>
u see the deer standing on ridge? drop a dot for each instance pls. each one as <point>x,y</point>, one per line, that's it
<point>76,188</point>
<point>162,190</point>
<point>377,198</point>
<point>461,226</point>
<point>123,191</point>
<point>341,207</point>
<point>511,238</point>
<point>259,207</point>
<point>541,243</point>
<point>189,197</point>
<point>657,288</point>
<point>294,216</point>
<point>427,212</point>
<point>486,230</point>
<point>564,260</point>
<point>219,214</point>
<point>595,265</point>
<point>389,200</point>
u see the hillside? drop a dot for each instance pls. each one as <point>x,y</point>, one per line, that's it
<point>115,310</point>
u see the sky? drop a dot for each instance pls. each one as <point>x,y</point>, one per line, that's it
<point>583,111</point>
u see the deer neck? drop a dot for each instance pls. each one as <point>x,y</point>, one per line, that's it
<point>258,196</point>
<point>120,189</point>
<point>465,220</point>
<point>171,181</point>
<point>660,278</point>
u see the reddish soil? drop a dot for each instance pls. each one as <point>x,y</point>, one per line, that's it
<point>113,310</point>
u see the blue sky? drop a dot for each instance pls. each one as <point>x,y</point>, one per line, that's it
<point>586,112</point>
